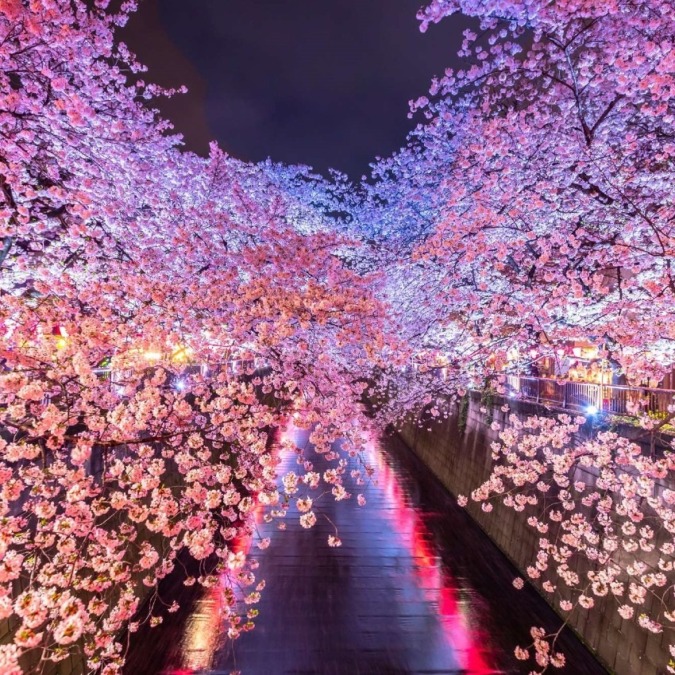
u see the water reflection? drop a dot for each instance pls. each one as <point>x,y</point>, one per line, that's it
<point>202,633</point>
<point>438,586</point>
<point>416,587</point>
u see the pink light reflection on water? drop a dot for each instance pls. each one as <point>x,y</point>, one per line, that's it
<point>204,635</point>
<point>438,586</point>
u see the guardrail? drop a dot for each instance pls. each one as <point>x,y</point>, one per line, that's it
<point>609,398</point>
<point>232,367</point>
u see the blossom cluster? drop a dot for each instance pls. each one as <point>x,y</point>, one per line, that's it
<point>161,315</point>
<point>606,515</point>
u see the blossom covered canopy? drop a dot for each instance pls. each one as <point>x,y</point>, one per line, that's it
<point>162,313</point>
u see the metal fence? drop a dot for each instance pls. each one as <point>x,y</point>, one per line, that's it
<point>618,400</point>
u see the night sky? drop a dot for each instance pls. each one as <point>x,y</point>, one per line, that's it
<point>318,82</point>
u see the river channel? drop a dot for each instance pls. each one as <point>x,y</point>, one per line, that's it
<point>416,587</point>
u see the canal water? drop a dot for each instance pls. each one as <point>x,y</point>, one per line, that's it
<point>416,587</point>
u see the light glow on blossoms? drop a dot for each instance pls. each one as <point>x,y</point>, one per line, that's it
<point>160,315</point>
<point>602,515</point>
<point>163,314</point>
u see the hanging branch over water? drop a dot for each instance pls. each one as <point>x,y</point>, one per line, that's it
<point>535,206</point>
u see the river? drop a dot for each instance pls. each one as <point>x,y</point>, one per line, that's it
<point>416,587</point>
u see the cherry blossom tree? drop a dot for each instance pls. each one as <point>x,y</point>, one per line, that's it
<point>605,513</point>
<point>162,313</point>
<point>543,180</point>
<point>542,184</point>
<point>119,249</point>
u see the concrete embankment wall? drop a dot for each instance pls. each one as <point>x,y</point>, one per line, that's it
<point>457,450</point>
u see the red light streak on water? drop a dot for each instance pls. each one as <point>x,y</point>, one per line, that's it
<point>203,636</point>
<point>438,586</point>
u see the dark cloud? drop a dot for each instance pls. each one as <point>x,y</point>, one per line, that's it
<point>325,83</point>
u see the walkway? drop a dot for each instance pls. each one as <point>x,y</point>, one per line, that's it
<point>415,588</point>
<point>589,397</point>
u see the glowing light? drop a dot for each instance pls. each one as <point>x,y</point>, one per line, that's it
<point>181,353</point>
<point>152,355</point>
<point>436,583</point>
<point>591,410</point>
<point>200,640</point>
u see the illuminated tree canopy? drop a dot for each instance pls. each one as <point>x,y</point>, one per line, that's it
<point>162,313</point>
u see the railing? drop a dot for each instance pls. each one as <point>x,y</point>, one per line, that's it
<point>233,366</point>
<point>585,396</point>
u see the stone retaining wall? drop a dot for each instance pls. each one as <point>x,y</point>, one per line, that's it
<point>457,450</point>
